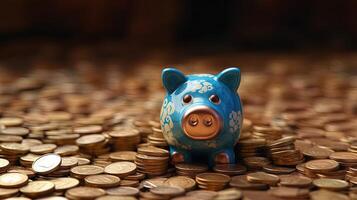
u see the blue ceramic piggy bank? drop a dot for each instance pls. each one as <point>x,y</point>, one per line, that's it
<point>201,115</point>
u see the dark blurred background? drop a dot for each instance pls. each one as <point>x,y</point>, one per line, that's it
<point>58,33</point>
<point>235,24</point>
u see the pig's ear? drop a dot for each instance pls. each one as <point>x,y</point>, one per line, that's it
<point>230,77</point>
<point>172,79</point>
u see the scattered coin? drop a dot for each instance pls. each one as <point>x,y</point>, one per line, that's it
<point>13,180</point>
<point>330,184</point>
<point>64,183</point>
<point>86,170</point>
<point>47,163</point>
<point>120,169</point>
<point>262,177</point>
<point>36,189</point>
<point>84,193</point>
<point>321,165</point>
<point>181,181</point>
<point>123,191</point>
<point>295,181</point>
<point>102,181</point>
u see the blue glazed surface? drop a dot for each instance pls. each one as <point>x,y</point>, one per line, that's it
<point>201,87</point>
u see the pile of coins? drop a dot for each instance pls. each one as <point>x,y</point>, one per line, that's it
<point>283,152</point>
<point>79,134</point>
<point>190,170</point>
<point>152,160</point>
<point>157,138</point>
<point>125,139</point>
<point>93,144</point>
<point>212,181</point>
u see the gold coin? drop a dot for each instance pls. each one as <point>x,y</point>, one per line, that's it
<point>86,170</point>
<point>290,193</point>
<point>120,169</point>
<point>10,138</point>
<point>20,131</point>
<point>15,148</point>
<point>181,181</point>
<point>47,163</point>
<point>83,161</point>
<point>4,164</point>
<point>64,183</point>
<point>123,156</point>
<point>330,184</point>
<point>102,180</point>
<point>321,165</point>
<point>11,121</point>
<point>241,182</point>
<point>262,177</point>
<point>295,181</point>
<point>213,178</point>
<point>123,191</point>
<point>38,188</point>
<point>84,193</point>
<point>43,148</point>
<point>22,170</point>
<point>230,169</point>
<point>231,193</point>
<point>66,150</point>
<point>7,192</point>
<point>90,129</point>
<point>90,139</point>
<point>317,152</point>
<point>153,151</point>
<point>167,191</point>
<point>68,162</point>
<point>11,180</point>
<point>344,157</point>
<point>273,169</point>
<point>154,182</point>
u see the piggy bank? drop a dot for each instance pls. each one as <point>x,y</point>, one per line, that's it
<point>201,115</point>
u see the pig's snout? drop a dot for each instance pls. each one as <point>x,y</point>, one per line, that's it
<point>201,123</point>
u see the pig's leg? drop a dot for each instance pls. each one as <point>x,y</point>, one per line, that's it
<point>224,156</point>
<point>179,155</point>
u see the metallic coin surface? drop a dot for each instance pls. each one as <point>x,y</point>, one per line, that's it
<point>47,163</point>
<point>13,180</point>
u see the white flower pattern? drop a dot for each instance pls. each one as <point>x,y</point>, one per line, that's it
<point>234,121</point>
<point>166,122</point>
<point>200,86</point>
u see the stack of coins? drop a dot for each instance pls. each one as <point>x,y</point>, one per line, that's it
<point>263,178</point>
<point>212,181</point>
<point>13,151</point>
<point>283,152</point>
<point>190,170</point>
<point>93,144</point>
<point>267,132</point>
<point>256,162</point>
<point>124,139</point>
<point>251,147</point>
<point>324,168</point>
<point>345,159</point>
<point>157,138</point>
<point>144,127</point>
<point>152,161</point>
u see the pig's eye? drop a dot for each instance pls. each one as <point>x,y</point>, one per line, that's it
<point>214,99</point>
<point>187,98</point>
